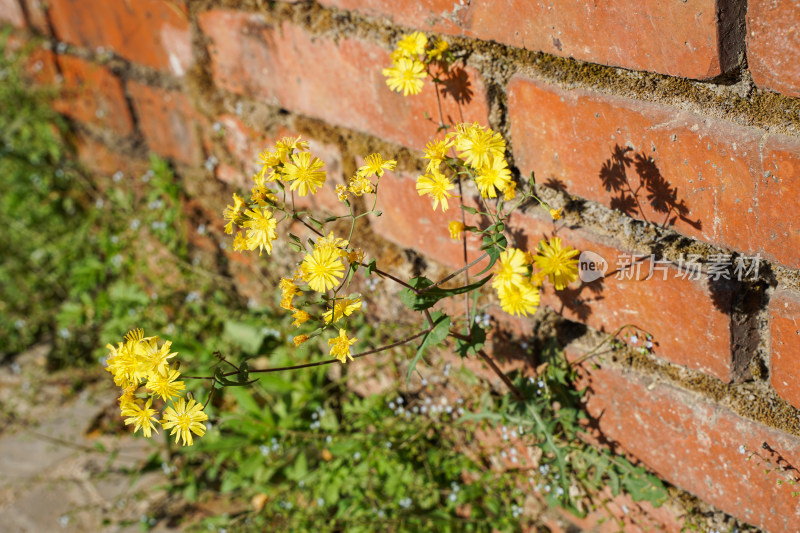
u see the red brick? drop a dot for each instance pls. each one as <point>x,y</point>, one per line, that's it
<point>689,320</point>
<point>100,159</point>
<point>784,312</point>
<point>778,229</point>
<point>693,443</point>
<point>338,82</point>
<point>168,122</point>
<point>11,13</point>
<point>93,94</point>
<point>773,44</point>
<point>677,38</point>
<point>573,136</point>
<point>37,15</point>
<point>154,33</point>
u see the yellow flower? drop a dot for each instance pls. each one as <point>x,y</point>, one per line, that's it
<point>286,146</point>
<point>557,262</point>
<point>359,185</point>
<point>441,46</point>
<point>300,317</point>
<point>519,299</point>
<point>436,185</point>
<point>239,242</point>
<point>154,358</point>
<point>165,385</point>
<point>512,268</point>
<point>231,213</point>
<point>413,44</point>
<point>260,229</point>
<point>511,191</point>
<point>375,165</point>
<point>456,228</point>
<point>356,256</point>
<point>336,244</point>
<point>323,268</point>
<point>340,346</point>
<point>341,192</point>
<point>405,76</point>
<point>476,144</point>
<point>342,307</point>
<point>436,151</point>
<point>300,339</point>
<point>143,418</point>
<point>304,173</point>
<point>269,160</point>
<point>185,419</point>
<point>493,176</point>
<point>288,287</point>
<point>556,213</point>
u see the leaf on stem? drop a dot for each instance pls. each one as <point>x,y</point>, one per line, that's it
<point>438,333</point>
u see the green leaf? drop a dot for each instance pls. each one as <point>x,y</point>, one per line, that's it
<point>439,332</point>
<point>247,335</point>
<point>493,246</point>
<point>371,266</point>
<point>219,374</point>
<point>477,337</point>
<point>427,299</point>
<point>470,210</point>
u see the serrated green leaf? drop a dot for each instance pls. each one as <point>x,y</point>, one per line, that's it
<point>477,337</point>
<point>428,298</point>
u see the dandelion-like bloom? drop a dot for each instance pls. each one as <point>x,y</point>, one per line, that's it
<point>456,228</point>
<point>512,268</point>
<point>341,192</point>
<point>476,144</point>
<point>511,191</point>
<point>232,212</point>
<point>340,346</point>
<point>556,213</point>
<point>405,76</point>
<point>287,145</point>
<point>342,307</point>
<point>322,269</point>
<point>413,44</point>
<point>260,229</point>
<point>304,173</point>
<point>493,176</point>
<point>143,418</point>
<point>185,419</point>
<point>435,152</point>
<point>375,165</point>
<point>166,384</point>
<point>436,185</point>
<point>438,50</point>
<point>337,244</point>
<point>520,299</point>
<point>360,184</point>
<point>300,339</point>
<point>155,358</point>
<point>557,262</point>
<point>300,317</point>
<point>239,242</point>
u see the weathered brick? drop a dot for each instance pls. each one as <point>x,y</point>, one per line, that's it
<point>155,33</point>
<point>694,444</point>
<point>37,15</point>
<point>100,159</point>
<point>688,318</point>
<point>168,122</point>
<point>688,39</point>
<point>784,312</point>
<point>773,44</point>
<point>92,94</point>
<point>11,13</point>
<point>778,229</point>
<point>338,82</point>
<point>700,174</point>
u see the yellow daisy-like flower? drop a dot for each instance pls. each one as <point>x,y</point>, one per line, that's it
<point>438,50</point>
<point>154,358</point>
<point>165,385</point>
<point>341,192</point>
<point>436,185</point>
<point>185,419</point>
<point>143,418</point>
<point>342,307</point>
<point>232,213</point>
<point>456,228</point>
<point>304,173</point>
<point>413,44</point>
<point>239,242</point>
<point>356,256</point>
<point>512,268</point>
<point>360,185</point>
<point>476,143</point>
<point>340,346</point>
<point>557,262</point>
<point>375,165</point>
<point>269,160</point>
<point>288,287</point>
<point>405,76</point>
<point>260,229</point>
<point>435,152</point>
<point>511,191</point>
<point>556,213</point>
<point>520,299</point>
<point>336,244</point>
<point>300,317</point>
<point>300,339</point>
<point>323,268</point>
<point>493,176</point>
<point>286,146</point>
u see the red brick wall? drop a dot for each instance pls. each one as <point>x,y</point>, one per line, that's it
<point>668,129</point>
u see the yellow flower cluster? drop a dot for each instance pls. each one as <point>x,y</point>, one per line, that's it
<point>480,149</point>
<point>360,184</point>
<point>410,62</point>
<point>516,283</point>
<point>139,362</point>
